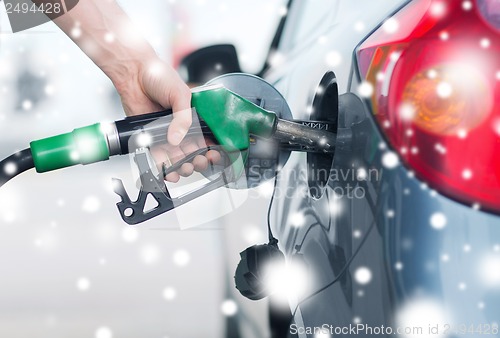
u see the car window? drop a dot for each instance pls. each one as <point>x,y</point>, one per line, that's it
<point>306,17</point>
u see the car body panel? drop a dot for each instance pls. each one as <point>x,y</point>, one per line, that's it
<point>389,231</point>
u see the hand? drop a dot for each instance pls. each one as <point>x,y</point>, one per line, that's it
<point>145,83</point>
<point>157,86</point>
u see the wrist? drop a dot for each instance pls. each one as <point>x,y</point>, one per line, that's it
<point>126,73</point>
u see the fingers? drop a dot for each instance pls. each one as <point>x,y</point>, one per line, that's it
<point>212,156</point>
<point>200,162</point>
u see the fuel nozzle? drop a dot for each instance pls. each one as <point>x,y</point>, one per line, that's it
<point>305,136</point>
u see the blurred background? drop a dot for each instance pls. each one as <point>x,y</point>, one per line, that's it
<point>69,266</point>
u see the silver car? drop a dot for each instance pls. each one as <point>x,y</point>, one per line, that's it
<point>398,232</point>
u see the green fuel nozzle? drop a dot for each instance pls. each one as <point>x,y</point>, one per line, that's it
<point>223,114</point>
<point>228,117</point>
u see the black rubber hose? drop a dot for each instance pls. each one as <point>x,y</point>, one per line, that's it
<point>15,164</point>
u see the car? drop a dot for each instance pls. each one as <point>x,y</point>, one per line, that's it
<point>402,235</point>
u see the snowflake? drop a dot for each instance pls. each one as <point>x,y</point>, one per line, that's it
<point>297,219</point>
<point>365,89</point>
<point>333,59</point>
<point>489,270</point>
<point>496,126</point>
<point>444,90</point>
<point>438,220</point>
<point>150,254</point>
<point>91,204</point>
<point>10,168</point>
<point>363,275</point>
<point>103,332</point>
<point>467,5</point>
<point>407,111</point>
<point>390,160</point>
<point>169,293</point>
<point>229,307</point>
<point>181,257</point>
<point>391,26</point>
<point>444,35</point>
<point>130,234</point>
<point>83,284</point>
<point>466,174</point>
<point>485,43</point>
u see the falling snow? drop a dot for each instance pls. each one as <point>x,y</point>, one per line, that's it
<point>496,126</point>
<point>365,89</point>
<point>467,174</point>
<point>432,74</point>
<point>229,307</point>
<point>467,5</point>
<point>390,26</point>
<point>438,9</point>
<point>444,90</point>
<point>390,160</point>
<point>359,26</point>
<point>485,43</point>
<point>91,204</point>
<point>181,257</point>
<point>103,332</point>
<point>462,133</point>
<point>150,254</point>
<point>333,59</point>
<point>444,36</point>
<point>83,284</point>
<point>489,270</point>
<point>10,168</point>
<point>438,220</point>
<point>76,32</point>
<point>407,112</point>
<point>363,275</point>
<point>130,234</point>
<point>420,313</point>
<point>27,105</point>
<point>297,219</point>
<point>169,293</point>
<point>440,148</point>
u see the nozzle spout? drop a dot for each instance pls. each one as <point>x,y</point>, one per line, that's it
<point>306,136</point>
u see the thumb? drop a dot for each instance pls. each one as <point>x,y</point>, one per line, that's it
<point>180,99</point>
<point>164,86</point>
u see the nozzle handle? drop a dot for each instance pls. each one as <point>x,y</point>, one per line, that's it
<point>155,125</point>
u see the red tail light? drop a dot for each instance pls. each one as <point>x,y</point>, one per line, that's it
<point>435,70</point>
